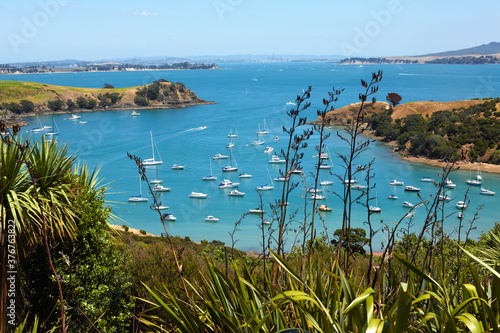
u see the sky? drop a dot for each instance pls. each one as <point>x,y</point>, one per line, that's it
<point>43,30</point>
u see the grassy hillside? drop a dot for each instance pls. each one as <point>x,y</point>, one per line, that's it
<point>31,97</point>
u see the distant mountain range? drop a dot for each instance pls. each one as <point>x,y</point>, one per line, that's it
<point>485,49</point>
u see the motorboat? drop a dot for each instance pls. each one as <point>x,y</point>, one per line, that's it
<point>395,182</point>
<point>277,138</point>
<point>392,196</point>
<point>169,217</point>
<point>427,180</point>
<point>156,181</point>
<point>290,103</point>
<point>236,193</point>
<point>160,188</point>
<point>486,192</point>
<point>82,122</point>
<point>265,187</point>
<point>268,150</point>
<point>152,161</point>
<point>279,179</point>
<point>297,172</point>
<point>275,159</point>
<point>317,197</point>
<point>135,114</point>
<point>177,167</point>
<point>211,218</point>
<point>412,189</point>
<point>443,198</point>
<point>314,190</point>
<point>228,184</point>
<point>359,187</point>
<point>461,215</point>
<point>257,211</point>
<point>266,221</point>
<point>352,181</point>
<point>324,208</point>
<point>326,182</point>
<point>258,142</point>
<point>160,207</point>
<point>219,156</point>
<point>198,195</point>
<point>245,175</point>
<point>74,117</point>
<point>462,205</point>
<point>407,204</point>
<point>374,209</point>
<point>449,184</point>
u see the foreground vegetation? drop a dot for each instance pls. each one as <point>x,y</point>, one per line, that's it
<point>77,275</point>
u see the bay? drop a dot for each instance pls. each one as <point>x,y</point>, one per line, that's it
<point>245,94</point>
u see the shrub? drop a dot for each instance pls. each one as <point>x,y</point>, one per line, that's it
<point>204,242</point>
<point>142,231</point>
<point>125,227</point>
<point>141,100</point>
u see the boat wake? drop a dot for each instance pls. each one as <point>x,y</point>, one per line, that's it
<point>201,128</point>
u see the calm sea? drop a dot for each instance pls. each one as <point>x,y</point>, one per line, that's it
<point>245,94</point>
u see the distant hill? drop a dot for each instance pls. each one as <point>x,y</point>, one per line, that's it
<point>485,49</point>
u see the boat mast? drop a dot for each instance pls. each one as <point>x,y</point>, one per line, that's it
<point>152,147</point>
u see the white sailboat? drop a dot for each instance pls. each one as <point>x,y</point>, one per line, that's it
<point>138,198</point>
<point>478,181</point>
<point>231,134</point>
<point>211,177</point>
<point>265,130</point>
<point>152,161</point>
<point>157,180</point>
<point>376,208</point>
<point>230,167</point>
<point>267,187</point>
<point>230,144</point>
<point>54,127</point>
<point>39,128</point>
<point>322,157</point>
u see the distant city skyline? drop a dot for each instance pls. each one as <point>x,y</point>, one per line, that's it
<point>45,30</point>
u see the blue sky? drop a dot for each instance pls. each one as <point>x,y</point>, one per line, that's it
<point>94,30</point>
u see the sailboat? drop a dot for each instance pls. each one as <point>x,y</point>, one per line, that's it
<point>376,208</point>
<point>266,187</point>
<point>230,144</point>
<point>265,130</point>
<point>211,177</point>
<point>325,166</point>
<point>54,127</point>
<point>157,180</point>
<point>231,134</point>
<point>152,161</point>
<point>478,181</point>
<point>138,198</point>
<point>40,128</point>
<point>230,167</point>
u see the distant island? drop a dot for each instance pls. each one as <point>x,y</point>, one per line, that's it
<point>479,55</point>
<point>433,132</point>
<point>19,98</point>
<point>85,66</point>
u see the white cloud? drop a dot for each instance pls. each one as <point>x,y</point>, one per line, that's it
<point>144,13</point>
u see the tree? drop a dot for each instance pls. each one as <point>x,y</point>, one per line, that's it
<point>108,86</point>
<point>27,106</point>
<point>393,98</point>
<point>141,100</point>
<point>357,239</point>
<point>55,105</point>
<point>70,104</point>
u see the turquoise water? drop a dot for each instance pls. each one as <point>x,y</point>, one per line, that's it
<point>245,94</point>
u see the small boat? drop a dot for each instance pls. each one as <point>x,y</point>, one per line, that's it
<point>177,167</point>
<point>257,211</point>
<point>236,193</point>
<point>211,177</point>
<point>361,167</point>
<point>352,181</point>
<point>211,218</point>
<point>322,158</point>
<point>478,181</point>
<point>198,195</point>
<point>324,208</point>
<point>317,197</point>
<point>443,198</point>
<point>160,188</point>
<point>449,184</point>
<point>230,168</point>
<point>245,175</point>
<point>258,142</point>
<point>461,215</point>
<point>266,221</point>
<point>486,192</point>
<point>326,182</point>
<point>268,150</point>
<point>152,161</point>
<point>279,179</point>
<point>359,187</point>
<point>160,207</point>
<point>462,205</point>
<point>138,198</point>
<point>263,131</point>
<point>277,160</point>
<point>314,190</point>
<point>395,182</point>
<point>412,189</point>
<point>74,117</point>
<point>277,138</point>
<point>407,204</point>
<point>230,145</point>
<point>40,127</point>
<point>374,209</point>
<point>156,181</point>
<point>231,134</point>
<point>82,122</point>
<point>297,172</point>
<point>324,166</point>
<point>219,156</point>
<point>135,114</point>
<point>169,217</point>
<point>392,196</point>
<point>266,187</point>
<point>427,180</point>
<point>290,103</point>
<point>228,184</point>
